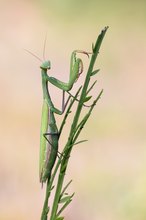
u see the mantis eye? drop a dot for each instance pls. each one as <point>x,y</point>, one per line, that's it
<point>46,65</point>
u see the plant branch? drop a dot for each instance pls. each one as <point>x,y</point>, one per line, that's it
<point>73,135</point>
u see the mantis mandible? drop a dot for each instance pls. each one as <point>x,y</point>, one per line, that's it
<point>49,135</point>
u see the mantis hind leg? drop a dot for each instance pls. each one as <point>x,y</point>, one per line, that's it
<point>47,134</point>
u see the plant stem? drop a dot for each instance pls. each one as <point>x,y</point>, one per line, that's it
<point>86,83</point>
<point>69,145</point>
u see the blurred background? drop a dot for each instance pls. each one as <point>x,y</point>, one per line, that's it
<point>109,171</point>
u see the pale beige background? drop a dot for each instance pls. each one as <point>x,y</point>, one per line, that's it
<point>109,171</point>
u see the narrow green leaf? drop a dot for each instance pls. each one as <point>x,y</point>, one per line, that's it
<point>91,87</point>
<point>65,205</point>
<point>93,47</point>
<point>64,189</point>
<point>87,98</point>
<point>79,142</point>
<point>99,41</point>
<point>47,210</point>
<point>64,199</point>
<point>94,72</point>
<point>52,187</point>
<point>60,218</point>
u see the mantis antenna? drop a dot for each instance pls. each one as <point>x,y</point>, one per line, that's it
<point>44,47</point>
<point>33,55</point>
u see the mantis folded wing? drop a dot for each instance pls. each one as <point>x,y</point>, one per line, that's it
<point>49,146</point>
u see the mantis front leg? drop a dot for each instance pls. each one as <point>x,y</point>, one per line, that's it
<point>76,68</point>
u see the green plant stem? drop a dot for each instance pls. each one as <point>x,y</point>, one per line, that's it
<point>69,145</point>
<point>87,80</point>
<point>48,192</point>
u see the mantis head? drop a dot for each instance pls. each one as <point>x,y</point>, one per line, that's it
<point>46,65</point>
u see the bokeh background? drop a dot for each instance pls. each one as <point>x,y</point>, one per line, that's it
<point>109,171</point>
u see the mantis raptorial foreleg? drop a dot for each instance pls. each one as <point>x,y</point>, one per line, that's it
<point>76,68</point>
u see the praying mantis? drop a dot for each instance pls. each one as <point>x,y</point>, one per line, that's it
<point>49,135</point>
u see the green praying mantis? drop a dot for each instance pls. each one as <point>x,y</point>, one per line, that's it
<point>49,135</point>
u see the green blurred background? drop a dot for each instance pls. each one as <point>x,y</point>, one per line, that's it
<point>109,171</point>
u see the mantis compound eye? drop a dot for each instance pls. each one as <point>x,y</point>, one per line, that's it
<point>46,65</point>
